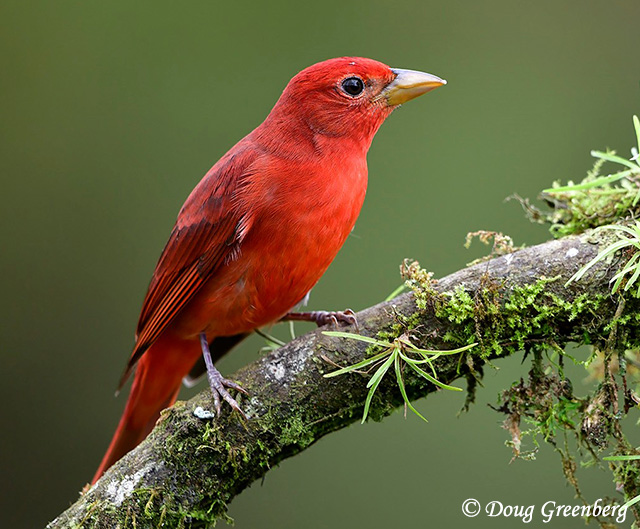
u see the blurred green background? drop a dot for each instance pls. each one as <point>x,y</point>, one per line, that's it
<point>110,114</point>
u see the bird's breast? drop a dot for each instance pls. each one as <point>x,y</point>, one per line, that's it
<point>305,219</point>
<point>301,216</point>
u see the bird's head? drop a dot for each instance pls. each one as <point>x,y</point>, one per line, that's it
<point>349,96</point>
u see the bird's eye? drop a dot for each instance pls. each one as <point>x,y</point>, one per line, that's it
<point>353,86</point>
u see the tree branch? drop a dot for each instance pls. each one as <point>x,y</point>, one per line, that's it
<point>189,468</point>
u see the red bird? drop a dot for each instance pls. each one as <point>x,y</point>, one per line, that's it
<point>258,232</point>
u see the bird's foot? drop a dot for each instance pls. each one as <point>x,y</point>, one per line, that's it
<point>218,383</point>
<point>324,317</point>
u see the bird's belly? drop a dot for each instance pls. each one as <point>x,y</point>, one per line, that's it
<point>280,260</point>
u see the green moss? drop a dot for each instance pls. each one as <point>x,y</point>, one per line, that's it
<point>197,448</point>
<point>421,282</point>
<point>500,323</point>
<point>504,326</point>
<point>295,432</point>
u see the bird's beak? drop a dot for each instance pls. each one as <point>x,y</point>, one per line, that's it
<point>408,85</point>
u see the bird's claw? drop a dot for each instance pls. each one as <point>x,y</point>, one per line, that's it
<point>218,383</point>
<point>347,317</point>
<point>325,317</point>
<point>219,386</point>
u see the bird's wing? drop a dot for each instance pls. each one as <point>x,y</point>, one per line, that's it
<point>208,233</point>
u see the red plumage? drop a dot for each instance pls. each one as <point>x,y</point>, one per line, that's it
<point>257,232</point>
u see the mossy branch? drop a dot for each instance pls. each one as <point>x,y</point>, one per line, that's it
<point>190,467</point>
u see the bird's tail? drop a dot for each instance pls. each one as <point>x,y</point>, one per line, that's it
<point>155,387</point>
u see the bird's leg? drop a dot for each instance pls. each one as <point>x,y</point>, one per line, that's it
<point>217,383</point>
<point>323,317</point>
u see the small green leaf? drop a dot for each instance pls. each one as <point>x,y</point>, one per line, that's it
<point>374,386</point>
<point>603,180</point>
<point>631,502</point>
<point>443,352</point>
<point>359,365</point>
<point>381,371</point>
<point>416,362</point>
<point>636,274</point>
<point>616,159</point>
<point>403,390</point>
<point>359,337</point>
<point>611,249</point>
<point>433,380</point>
<point>633,232</point>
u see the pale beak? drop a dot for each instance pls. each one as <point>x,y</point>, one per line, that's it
<point>408,85</point>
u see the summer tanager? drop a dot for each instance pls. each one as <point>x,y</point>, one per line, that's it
<point>258,232</point>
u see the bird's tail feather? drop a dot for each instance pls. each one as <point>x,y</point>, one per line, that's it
<point>155,387</point>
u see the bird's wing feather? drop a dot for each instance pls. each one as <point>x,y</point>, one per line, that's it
<point>208,232</point>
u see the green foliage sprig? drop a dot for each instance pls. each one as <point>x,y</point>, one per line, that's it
<point>630,174</point>
<point>629,240</point>
<point>398,353</point>
<point>595,201</point>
